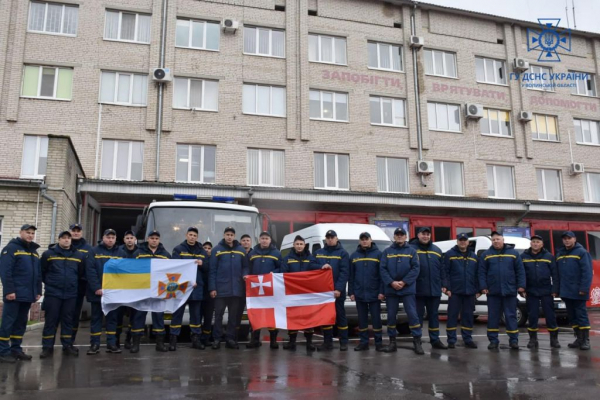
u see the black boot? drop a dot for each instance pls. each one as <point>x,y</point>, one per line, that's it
<point>418,346</point>
<point>118,342</point>
<point>585,339</point>
<point>255,342</point>
<point>112,348</point>
<point>309,346</point>
<point>135,344</point>
<point>533,340</point>
<point>173,343</point>
<point>554,339</point>
<point>391,348</point>
<point>19,355</point>
<point>197,343</point>
<point>93,350</point>
<point>127,343</point>
<point>160,344</point>
<point>326,346</point>
<point>438,344</point>
<point>577,342</point>
<point>362,347</point>
<point>69,351</point>
<point>47,352</point>
<point>291,344</point>
<point>273,336</point>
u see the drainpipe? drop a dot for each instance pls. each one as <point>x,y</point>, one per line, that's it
<point>413,32</point>
<point>161,86</point>
<point>79,201</point>
<point>527,204</point>
<point>43,189</point>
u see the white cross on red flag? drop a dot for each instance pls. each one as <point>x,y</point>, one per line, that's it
<point>299,300</point>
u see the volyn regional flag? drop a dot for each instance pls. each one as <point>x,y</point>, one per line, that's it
<point>147,284</point>
<point>298,300</point>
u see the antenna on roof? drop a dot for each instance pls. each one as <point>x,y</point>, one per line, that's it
<point>567,13</point>
<point>574,20</point>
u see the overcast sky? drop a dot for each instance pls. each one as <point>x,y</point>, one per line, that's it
<point>587,12</point>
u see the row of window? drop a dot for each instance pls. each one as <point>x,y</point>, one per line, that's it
<point>133,27</point>
<point>123,160</point>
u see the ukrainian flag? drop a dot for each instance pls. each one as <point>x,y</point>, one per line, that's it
<point>127,274</point>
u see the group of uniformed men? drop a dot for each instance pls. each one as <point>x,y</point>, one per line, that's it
<point>416,273</point>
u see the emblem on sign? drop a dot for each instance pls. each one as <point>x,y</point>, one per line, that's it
<point>172,286</point>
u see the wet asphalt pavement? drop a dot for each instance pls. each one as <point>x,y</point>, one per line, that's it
<point>277,374</point>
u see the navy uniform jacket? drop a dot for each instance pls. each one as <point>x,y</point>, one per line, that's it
<point>365,279</point>
<point>95,270</point>
<point>339,260</point>
<point>460,272</point>
<point>574,272</point>
<point>304,261</point>
<point>399,263</point>
<point>501,272</point>
<point>263,261</point>
<point>228,266</point>
<point>83,246</point>
<point>541,273</point>
<point>61,271</point>
<point>126,253</point>
<point>144,251</point>
<point>20,270</point>
<point>195,252</point>
<point>429,282</point>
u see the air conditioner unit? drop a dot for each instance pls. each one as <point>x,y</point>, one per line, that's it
<point>525,116</point>
<point>576,168</point>
<point>474,111</point>
<point>424,167</point>
<point>520,64</point>
<point>417,41</point>
<point>162,75</point>
<point>230,25</point>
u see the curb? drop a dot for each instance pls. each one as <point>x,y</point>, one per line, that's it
<point>34,327</point>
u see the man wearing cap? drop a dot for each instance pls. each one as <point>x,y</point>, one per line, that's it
<point>22,285</point>
<point>501,276</point>
<point>190,249</point>
<point>541,276</point>
<point>429,284</point>
<point>334,257</point>
<point>264,259</point>
<point>399,268</point>
<point>79,243</point>
<point>153,248</point>
<point>105,251</point>
<point>128,249</point>
<point>574,282</point>
<point>246,242</point>
<point>228,269</point>
<point>208,303</point>
<point>300,260</point>
<point>462,285</point>
<point>62,267</point>
<point>366,288</point>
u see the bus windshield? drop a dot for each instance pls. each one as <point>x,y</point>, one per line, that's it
<point>173,222</point>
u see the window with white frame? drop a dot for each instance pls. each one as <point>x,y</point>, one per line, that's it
<point>263,100</point>
<point>327,105</point>
<point>490,71</point>
<point>266,167</point>
<point>388,111</point>
<point>264,41</point>
<point>500,181</point>
<point>127,26</point>
<point>549,184</point>
<point>584,87</point>
<point>392,175</point>
<point>47,82</point>
<point>440,63</point>
<point>193,34</point>
<point>448,178</point>
<point>122,160</point>
<point>495,123</point>
<point>123,88</point>
<point>544,127</point>
<point>326,49</point>
<point>332,171</point>
<point>195,163</point>
<point>35,157</point>
<point>586,131</point>
<point>542,79</point>
<point>53,18</point>
<point>196,94</point>
<point>591,187</point>
<point>385,56</point>
<point>444,117</point>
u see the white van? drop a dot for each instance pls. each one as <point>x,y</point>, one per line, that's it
<point>479,244</point>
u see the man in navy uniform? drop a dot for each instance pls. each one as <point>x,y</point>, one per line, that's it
<point>501,276</point>
<point>79,243</point>
<point>208,303</point>
<point>62,268</point>
<point>574,282</point>
<point>128,249</point>
<point>190,249</point>
<point>22,285</point>
<point>399,268</point>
